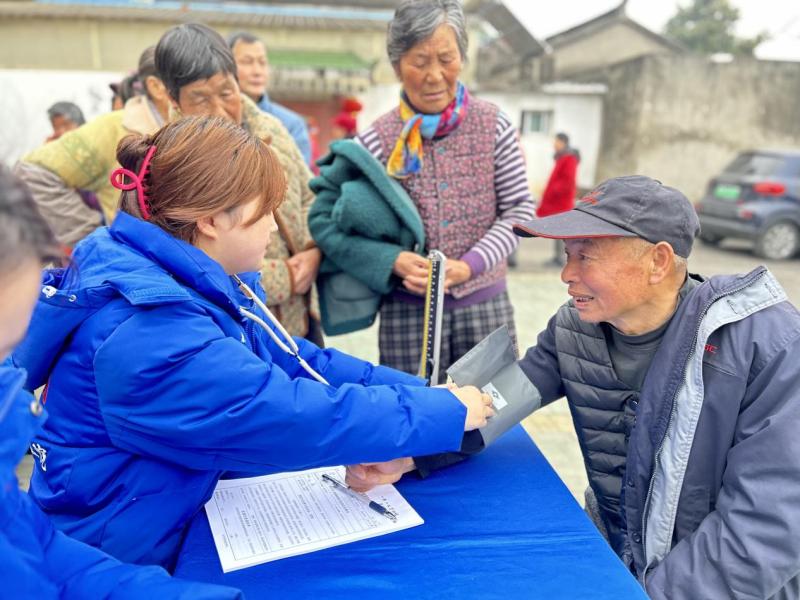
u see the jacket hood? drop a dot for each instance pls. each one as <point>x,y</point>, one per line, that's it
<point>134,260</point>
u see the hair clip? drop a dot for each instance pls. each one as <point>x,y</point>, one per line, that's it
<point>136,182</point>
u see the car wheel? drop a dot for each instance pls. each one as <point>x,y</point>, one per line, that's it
<point>778,241</point>
<point>710,239</point>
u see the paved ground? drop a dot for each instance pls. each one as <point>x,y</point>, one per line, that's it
<point>537,292</point>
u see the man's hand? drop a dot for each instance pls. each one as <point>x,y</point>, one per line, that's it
<point>303,267</point>
<point>364,477</point>
<point>456,271</point>
<point>413,270</point>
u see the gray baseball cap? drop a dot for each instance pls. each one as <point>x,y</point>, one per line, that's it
<point>633,206</point>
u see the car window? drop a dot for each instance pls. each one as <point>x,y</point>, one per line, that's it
<point>752,163</point>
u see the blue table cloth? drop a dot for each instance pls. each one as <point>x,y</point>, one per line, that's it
<point>499,525</point>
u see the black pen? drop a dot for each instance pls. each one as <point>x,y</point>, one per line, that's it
<point>381,510</point>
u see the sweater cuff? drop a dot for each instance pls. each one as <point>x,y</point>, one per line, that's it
<point>475,261</point>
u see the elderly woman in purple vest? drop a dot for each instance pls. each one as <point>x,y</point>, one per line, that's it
<point>459,159</point>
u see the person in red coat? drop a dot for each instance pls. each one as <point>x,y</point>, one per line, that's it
<point>559,194</point>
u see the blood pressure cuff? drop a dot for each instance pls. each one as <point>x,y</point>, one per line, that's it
<point>492,366</point>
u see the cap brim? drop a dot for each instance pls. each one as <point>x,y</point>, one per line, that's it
<point>573,224</point>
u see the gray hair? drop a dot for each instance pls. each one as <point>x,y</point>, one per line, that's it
<point>68,110</point>
<point>416,20</point>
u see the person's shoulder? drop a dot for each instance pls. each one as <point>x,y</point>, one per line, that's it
<point>257,120</point>
<point>289,117</point>
<point>268,127</point>
<point>95,137</point>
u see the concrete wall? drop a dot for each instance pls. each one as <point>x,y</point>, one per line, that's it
<point>616,43</point>
<point>681,119</point>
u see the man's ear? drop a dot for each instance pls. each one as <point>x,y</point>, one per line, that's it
<point>209,227</point>
<point>663,262</point>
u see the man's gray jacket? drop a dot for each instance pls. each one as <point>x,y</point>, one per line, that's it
<point>697,477</point>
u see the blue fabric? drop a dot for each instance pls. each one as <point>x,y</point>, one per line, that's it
<point>40,562</point>
<point>295,123</point>
<point>500,525</point>
<point>157,385</point>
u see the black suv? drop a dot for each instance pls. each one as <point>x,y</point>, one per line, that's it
<point>756,197</point>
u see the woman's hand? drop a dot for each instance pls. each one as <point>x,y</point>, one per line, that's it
<point>456,271</point>
<point>303,267</point>
<point>364,477</point>
<point>413,270</point>
<point>479,406</point>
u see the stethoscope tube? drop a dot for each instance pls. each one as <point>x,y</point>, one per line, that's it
<point>287,345</point>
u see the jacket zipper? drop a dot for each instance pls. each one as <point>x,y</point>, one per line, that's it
<point>673,409</point>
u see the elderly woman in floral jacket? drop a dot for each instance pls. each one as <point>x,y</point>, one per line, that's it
<point>459,160</point>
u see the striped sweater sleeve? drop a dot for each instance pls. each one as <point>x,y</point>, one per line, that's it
<point>514,201</point>
<point>370,140</point>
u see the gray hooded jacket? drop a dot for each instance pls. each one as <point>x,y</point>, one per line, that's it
<point>698,477</point>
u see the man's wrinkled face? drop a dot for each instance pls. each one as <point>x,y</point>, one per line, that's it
<point>217,96</point>
<point>607,278</point>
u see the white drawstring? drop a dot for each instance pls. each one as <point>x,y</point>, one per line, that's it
<point>289,346</point>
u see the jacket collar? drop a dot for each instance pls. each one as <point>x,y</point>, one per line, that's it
<point>181,265</point>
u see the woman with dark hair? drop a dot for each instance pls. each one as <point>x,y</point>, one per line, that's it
<point>198,73</point>
<point>164,367</point>
<point>38,561</point>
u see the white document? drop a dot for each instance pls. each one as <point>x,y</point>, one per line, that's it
<point>261,519</point>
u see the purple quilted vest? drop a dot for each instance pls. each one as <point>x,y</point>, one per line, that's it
<point>454,191</point>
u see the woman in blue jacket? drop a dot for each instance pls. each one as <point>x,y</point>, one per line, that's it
<point>162,372</point>
<point>38,561</point>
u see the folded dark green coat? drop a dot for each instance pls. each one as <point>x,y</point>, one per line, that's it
<point>361,220</point>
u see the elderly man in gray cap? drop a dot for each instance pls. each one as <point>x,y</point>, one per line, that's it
<point>685,394</point>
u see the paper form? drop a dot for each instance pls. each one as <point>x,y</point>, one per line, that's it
<point>261,519</point>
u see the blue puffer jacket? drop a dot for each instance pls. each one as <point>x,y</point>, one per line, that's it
<point>40,562</point>
<point>157,385</point>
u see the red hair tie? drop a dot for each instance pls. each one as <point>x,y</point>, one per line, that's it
<point>137,182</point>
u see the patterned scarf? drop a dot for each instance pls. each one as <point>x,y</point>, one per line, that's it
<point>406,158</point>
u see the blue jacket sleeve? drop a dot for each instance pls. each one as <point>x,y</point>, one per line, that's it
<point>206,400</point>
<point>41,562</point>
<point>337,367</point>
<point>90,573</point>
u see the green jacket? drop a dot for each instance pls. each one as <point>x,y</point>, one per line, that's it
<point>361,220</point>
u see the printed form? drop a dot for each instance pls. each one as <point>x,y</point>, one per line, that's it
<point>261,519</point>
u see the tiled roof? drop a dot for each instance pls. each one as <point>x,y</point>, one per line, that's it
<point>253,15</point>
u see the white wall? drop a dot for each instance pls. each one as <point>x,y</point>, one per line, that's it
<point>578,115</point>
<point>377,100</point>
<point>26,95</point>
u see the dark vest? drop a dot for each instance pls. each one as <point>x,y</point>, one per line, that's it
<point>603,410</point>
